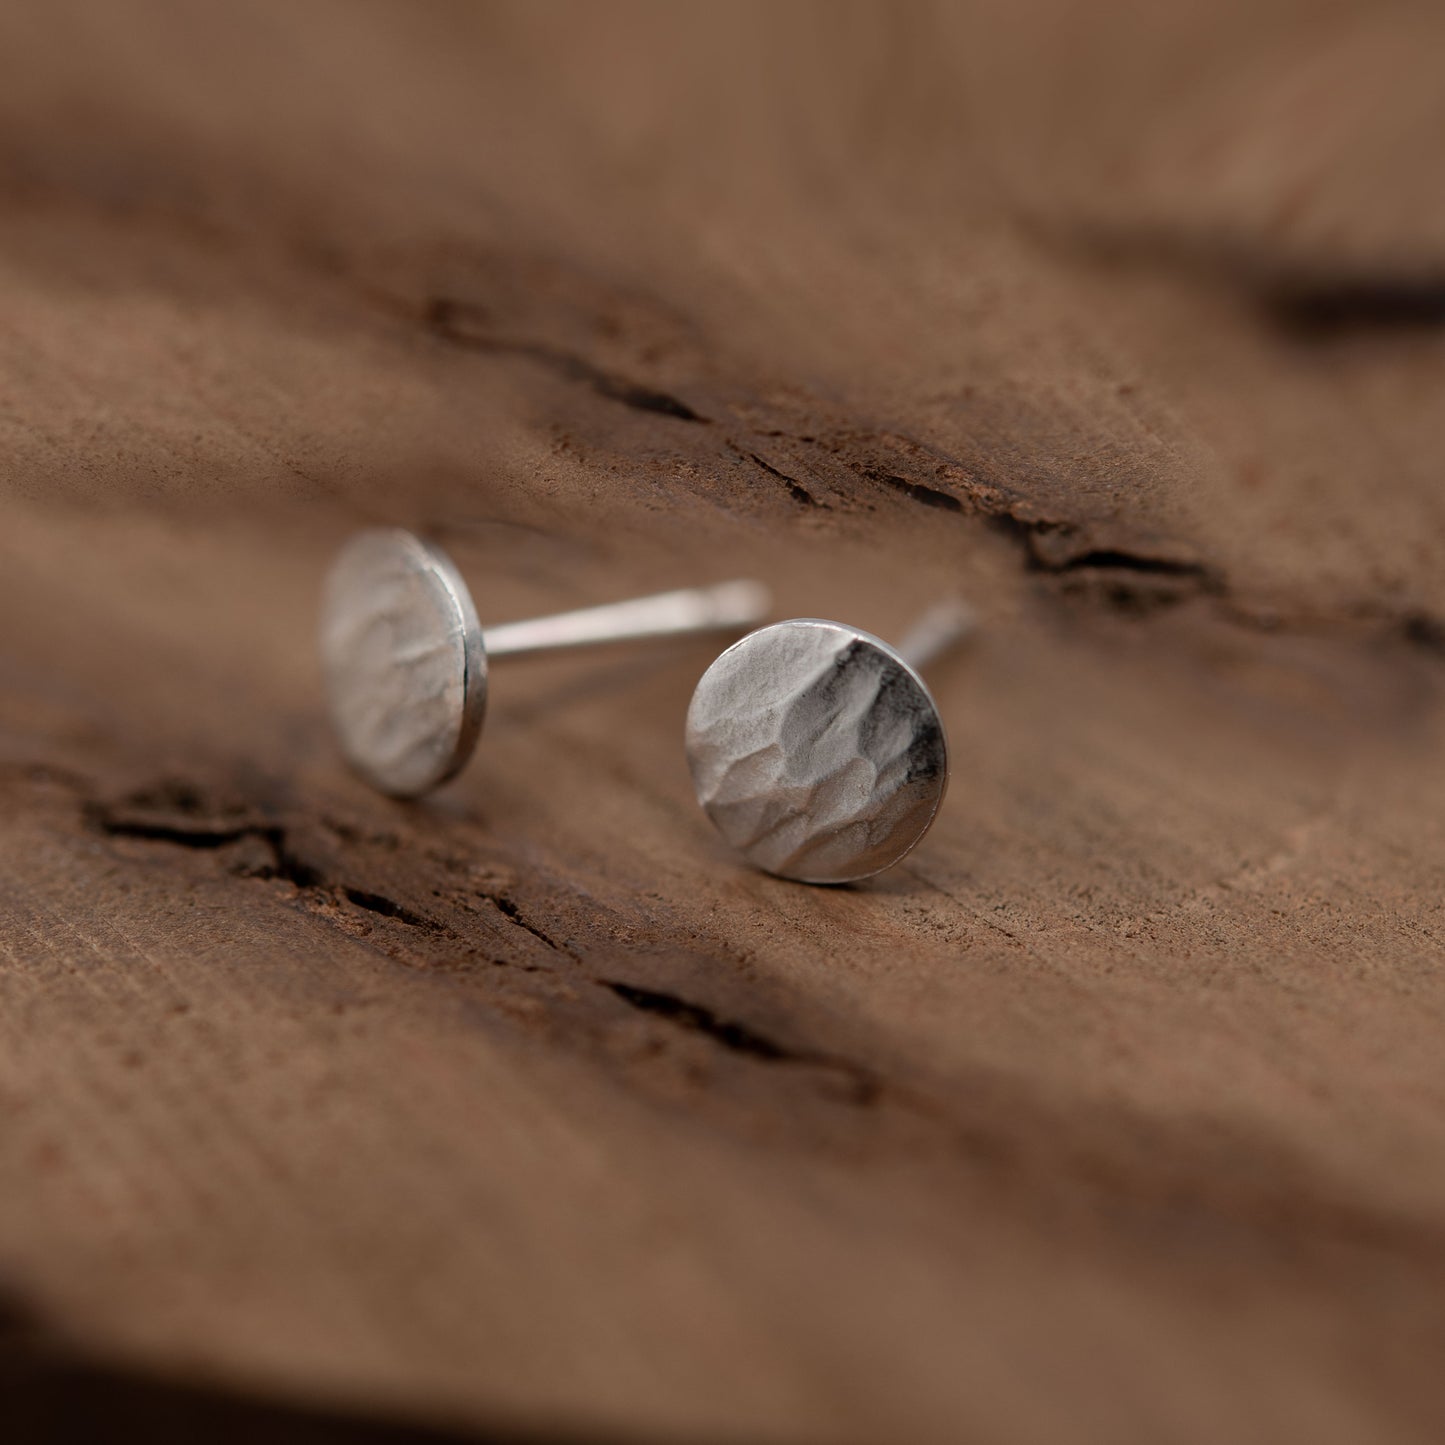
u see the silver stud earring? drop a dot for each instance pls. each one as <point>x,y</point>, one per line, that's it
<point>405,661</point>
<point>816,749</point>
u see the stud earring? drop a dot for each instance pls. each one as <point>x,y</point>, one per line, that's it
<point>405,661</point>
<point>816,749</point>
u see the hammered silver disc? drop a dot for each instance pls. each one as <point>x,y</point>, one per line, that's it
<point>817,751</point>
<point>404,662</point>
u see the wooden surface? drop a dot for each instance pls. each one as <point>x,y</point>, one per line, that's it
<point>1117,1113</point>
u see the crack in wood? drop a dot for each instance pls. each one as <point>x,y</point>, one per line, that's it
<point>740,1038</point>
<point>386,907</point>
<point>139,817</point>
<point>1425,631</point>
<point>513,914</point>
<point>446,319</point>
<point>919,492</point>
<point>283,864</point>
<point>729,1033</point>
<point>795,489</point>
<point>1333,310</point>
<point>175,812</point>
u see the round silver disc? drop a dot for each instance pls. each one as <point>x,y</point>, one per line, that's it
<point>817,751</point>
<point>404,662</point>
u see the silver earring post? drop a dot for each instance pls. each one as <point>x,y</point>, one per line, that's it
<point>720,608</point>
<point>942,627</point>
<point>405,661</point>
<point>817,750</point>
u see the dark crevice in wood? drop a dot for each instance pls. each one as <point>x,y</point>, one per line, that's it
<point>1309,300</point>
<point>1422,630</point>
<point>190,826</point>
<point>919,492</point>
<point>1110,558</point>
<point>1133,583</point>
<point>509,910</point>
<point>283,863</point>
<point>447,320</point>
<point>1050,546</point>
<point>193,823</point>
<point>727,1032</point>
<point>180,836</point>
<point>740,1038</point>
<point>795,489</point>
<point>379,903</point>
<point>286,865</point>
<point>1328,311</point>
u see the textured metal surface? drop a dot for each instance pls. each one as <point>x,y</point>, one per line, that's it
<point>404,663</point>
<point>816,751</point>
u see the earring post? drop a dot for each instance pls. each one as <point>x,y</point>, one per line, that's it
<point>943,626</point>
<point>724,607</point>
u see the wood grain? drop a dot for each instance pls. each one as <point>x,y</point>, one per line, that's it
<point>1118,1111</point>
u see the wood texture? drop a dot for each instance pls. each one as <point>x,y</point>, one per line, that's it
<point>1118,1111</point>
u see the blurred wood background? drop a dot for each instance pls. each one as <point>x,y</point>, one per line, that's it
<point>1117,1113</point>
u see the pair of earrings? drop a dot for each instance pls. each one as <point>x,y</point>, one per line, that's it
<point>815,748</point>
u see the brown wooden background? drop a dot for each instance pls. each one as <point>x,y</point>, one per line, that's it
<point>1118,1112</point>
